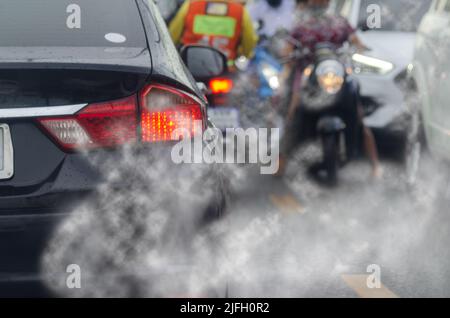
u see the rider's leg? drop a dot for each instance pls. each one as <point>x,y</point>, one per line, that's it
<point>370,146</point>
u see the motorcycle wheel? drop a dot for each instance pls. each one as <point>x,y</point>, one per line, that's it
<point>331,157</point>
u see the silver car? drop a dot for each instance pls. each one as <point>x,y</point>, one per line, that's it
<point>430,73</point>
<point>382,70</point>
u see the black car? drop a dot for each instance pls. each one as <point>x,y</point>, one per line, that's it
<point>80,81</point>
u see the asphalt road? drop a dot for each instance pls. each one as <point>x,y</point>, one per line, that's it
<point>293,237</point>
<point>327,238</point>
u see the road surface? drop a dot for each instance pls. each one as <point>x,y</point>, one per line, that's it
<point>293,237</point>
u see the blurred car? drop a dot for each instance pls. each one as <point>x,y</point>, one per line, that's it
<point>430,73</point>
<point>382,70</point>
<point>68,94</point>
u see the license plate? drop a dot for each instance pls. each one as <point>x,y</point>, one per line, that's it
<point>224,118</point>
<point>6,153</point>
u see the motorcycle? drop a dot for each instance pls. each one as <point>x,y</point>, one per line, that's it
<point>216,88</point>
<point>268,70</point>
<point>240,97</point>
<point>257,90</point>
<point>329,106</point>
<point>224,111</point>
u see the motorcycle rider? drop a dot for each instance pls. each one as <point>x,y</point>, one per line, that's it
<point>223,24</point>
<point>316,26</point>
<point>273,15</point>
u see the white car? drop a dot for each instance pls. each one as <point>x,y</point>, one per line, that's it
<point>382,70</point>
<point>430,72</point>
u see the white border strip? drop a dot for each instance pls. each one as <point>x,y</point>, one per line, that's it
<point>28,112</point>
<point>8,154</point>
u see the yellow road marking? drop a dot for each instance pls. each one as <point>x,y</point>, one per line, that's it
<point>359,284</point>
<point>287,204</point>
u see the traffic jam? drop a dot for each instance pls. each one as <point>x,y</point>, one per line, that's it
<point>224,149</point>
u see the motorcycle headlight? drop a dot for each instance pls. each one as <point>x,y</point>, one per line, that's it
<point>330,75</point>
<point>371,65</point>
<point>270,73</point>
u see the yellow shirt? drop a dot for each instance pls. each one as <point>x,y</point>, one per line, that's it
<point>249,38</point>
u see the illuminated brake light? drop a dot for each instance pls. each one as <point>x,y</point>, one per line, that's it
<point>221,85</point>
<point>98,125</point>
<point>166,111</point>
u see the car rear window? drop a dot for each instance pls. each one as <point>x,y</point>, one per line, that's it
<point>78,23</point>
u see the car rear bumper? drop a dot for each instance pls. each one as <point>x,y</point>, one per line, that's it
<point>30,221</point>
<point>25,234</point>
<point>71,186</point>
<point>23,239</point>
<point>48,203</point>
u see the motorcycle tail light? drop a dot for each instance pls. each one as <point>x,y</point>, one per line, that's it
<point>221,85</point>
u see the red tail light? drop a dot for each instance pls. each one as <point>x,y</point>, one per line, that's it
<point>98,125</point>
<point>165,110</point>
<point>221,85</point>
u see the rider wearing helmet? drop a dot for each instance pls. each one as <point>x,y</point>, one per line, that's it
<point>223,24</point>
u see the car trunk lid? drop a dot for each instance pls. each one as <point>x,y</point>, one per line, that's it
<point>38,77</point>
